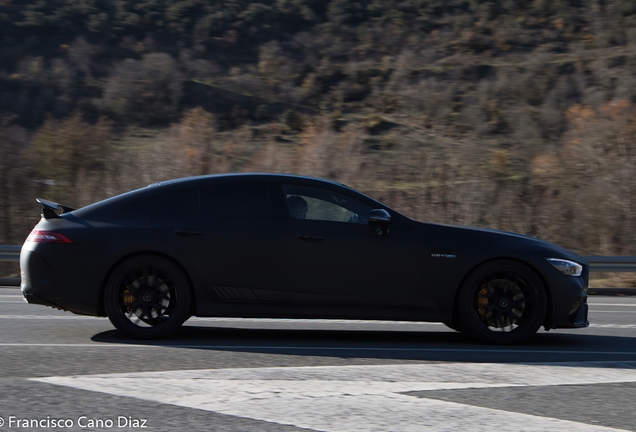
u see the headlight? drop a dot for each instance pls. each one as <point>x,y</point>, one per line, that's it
<point>568,268</point>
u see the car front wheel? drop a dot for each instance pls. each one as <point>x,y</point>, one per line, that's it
<point>147,297</point>
<point>502,302</point>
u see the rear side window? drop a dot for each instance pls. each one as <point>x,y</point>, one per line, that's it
<point>242,200</point>
<point>181,203</point>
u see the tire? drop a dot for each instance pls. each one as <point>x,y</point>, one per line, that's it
<point>147,297</point>
<point>502,302</point>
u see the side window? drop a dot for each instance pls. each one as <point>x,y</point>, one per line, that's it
<point>182,203</point>
<point>321,204</point>
<point>243,200</point>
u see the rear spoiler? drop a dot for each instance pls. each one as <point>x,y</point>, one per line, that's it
<point>52,210</point>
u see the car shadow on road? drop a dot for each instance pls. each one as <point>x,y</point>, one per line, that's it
<point>404,345</point>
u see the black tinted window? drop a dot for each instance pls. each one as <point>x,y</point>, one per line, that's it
<point>321,204</point>
<point>182,203</point>
<point>245,200</point>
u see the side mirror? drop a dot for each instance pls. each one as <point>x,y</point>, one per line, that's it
<point>381,219</point>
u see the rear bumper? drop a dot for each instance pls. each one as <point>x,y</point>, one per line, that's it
<point>59,284</point>
<point>33,299</point>
<point>38,282</point>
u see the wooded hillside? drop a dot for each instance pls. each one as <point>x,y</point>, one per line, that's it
<point>510,114</point>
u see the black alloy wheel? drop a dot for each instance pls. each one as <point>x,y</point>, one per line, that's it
<point>502,302</point>
<point>147,297</point>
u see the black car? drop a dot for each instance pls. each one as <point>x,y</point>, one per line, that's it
<point>265,245</point>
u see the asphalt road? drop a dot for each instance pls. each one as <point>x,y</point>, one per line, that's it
<point>292,375</point>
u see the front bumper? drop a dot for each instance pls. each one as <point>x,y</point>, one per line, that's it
<point>569,300</point>
<point>579,317</point>
<point>570,309</point>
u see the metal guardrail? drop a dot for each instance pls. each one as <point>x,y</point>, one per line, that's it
<point>597,263</point>
<point>612,263</point>
<point>10,253</point>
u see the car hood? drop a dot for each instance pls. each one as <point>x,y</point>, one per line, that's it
<point>494,242</point>
<point>500,233</point>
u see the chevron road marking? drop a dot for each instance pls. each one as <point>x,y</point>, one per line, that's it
<point>358,398</point>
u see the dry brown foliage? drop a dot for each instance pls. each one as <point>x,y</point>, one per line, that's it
<point>579,192</point>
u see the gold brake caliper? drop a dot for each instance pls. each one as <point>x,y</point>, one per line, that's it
<point>128,298</point>
<point>482,302</point>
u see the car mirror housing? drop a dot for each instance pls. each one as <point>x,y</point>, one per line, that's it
<point>381,219</point>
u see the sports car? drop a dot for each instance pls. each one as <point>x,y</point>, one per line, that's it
<point>286,246</point>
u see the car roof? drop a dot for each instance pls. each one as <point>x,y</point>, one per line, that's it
<point>255,176</point>
<point>207,180</point>
<point>168,186</point>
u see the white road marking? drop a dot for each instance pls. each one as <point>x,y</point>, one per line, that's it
<point>51,317</point>
<point>235,320</point>
<point>78,345</point>
<point>612,311</point>
<point>613,304</point>
<point>314,348</point>
<point>356,398</point>
<point>615,326</point>
<point>310,321</point>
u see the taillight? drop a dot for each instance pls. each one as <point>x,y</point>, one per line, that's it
<point>40,236</point>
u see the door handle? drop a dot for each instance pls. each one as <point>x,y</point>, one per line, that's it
<point>311,237</point>
<point>188,232</point>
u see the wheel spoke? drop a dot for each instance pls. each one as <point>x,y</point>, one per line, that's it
<point>135,319</point>
<point>162,288</point>
<point>517,304</point>
<point>135,285</point>
<point>157,308</point>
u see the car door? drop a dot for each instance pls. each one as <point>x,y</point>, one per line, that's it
<point>336,257</point>
<point>235,244</point>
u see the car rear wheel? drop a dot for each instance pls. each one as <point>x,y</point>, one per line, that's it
<point>502,302</point>
<point>147,297</point>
